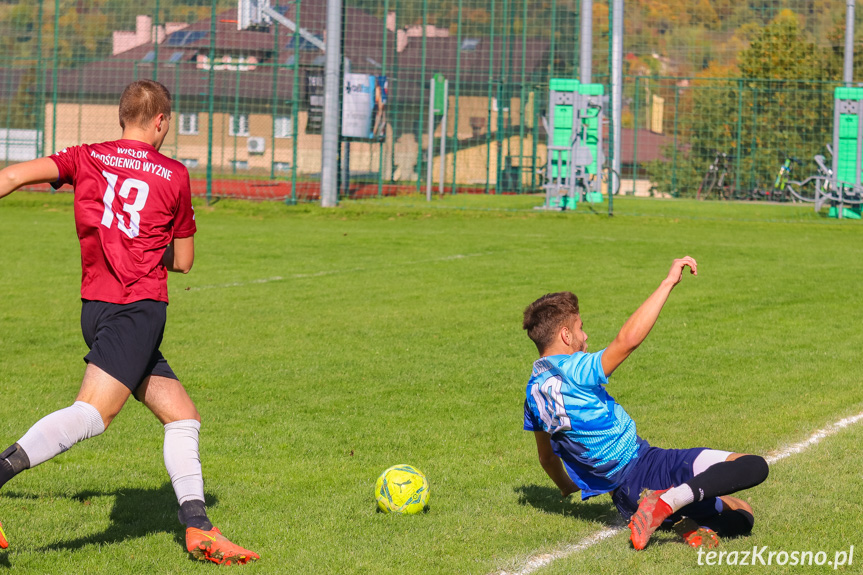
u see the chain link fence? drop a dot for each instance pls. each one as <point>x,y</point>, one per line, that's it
<point>752,80</point>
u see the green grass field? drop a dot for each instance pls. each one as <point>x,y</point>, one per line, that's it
<point>322,346</point>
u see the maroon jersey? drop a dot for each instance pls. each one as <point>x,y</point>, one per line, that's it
<point>130,202</point>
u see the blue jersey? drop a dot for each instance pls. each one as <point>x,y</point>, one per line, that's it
<point>593,435</point>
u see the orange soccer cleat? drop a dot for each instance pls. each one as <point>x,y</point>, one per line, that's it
<point>4,543</point>
<point>652,511</point>
<point>695,535</point>
<point>213,546</point>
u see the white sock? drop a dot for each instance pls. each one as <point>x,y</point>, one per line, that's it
<point>183,461</point>
<point>678,497</point>
<point>58,431</point>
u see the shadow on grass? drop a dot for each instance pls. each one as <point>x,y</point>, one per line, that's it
<point>136,513</point>
<point>548,499</point>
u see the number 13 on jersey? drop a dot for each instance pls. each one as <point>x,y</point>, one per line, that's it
<point>133,209</point>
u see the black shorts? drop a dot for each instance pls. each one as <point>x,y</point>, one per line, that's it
<point>124,339</point>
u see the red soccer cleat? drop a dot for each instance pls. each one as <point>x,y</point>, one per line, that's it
<point>213,546</point>
<point>652,511</point>
<point>4,543</point>
<point>695,535</point>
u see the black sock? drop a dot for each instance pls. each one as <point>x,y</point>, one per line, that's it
<point>193,514</point>
<point>729,477</point>
<point>12,462</point>
<point>731,523</point>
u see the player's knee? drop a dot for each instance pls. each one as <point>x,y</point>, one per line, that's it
<point>753,468</point>
<point>757,466</point>
<point>92,421</point>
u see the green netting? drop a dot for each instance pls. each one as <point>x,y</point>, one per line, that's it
<point>754,80</point>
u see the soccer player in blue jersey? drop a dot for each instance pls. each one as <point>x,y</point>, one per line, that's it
<point>587,442</point>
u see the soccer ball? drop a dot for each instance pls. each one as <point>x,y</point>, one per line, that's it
<point>402,489</point>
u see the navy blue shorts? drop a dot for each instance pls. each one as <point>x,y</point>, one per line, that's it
<point>124,339</point>
<point>658,468</point>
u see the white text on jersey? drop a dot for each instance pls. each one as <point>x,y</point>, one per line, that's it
<point>141,154</point>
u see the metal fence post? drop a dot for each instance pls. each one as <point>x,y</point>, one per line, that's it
<point>422,98</point>
<point>383,73</point>
<point>490,83</point>
<point>332,108</point>
<point>154,34</point>
<point>635,136</point>
<point>739,133</point>
<point>674,191</point>
<point>295,106</point>
<point>211,81</point>
<point>457,94</point>
<point>56,55</point>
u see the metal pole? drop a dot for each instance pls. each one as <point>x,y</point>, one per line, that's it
<point>616,96</point>
<point>332,97</point>
<point>274,104</point>
<point>155,30</point>
<point>431,141</point>
<point>551,48</point>
<point>442,164</point>
<point>674,191</point>
<point>635,138</point>
<point>393,117</point>
<point>295,106</point>
<point>422,96</point>
<point>848,69</point>
<point>490,83</point>
<point>522,94</point>
<point>586,52</point>
<point>236,117</point>
<point>457,94</point>
<point>211,81</point>
<point>40,85</point>
<point>383,73</point>
<point>54,77</point>
<point>739,134</point>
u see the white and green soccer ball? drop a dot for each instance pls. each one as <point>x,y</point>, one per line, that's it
<point>402,489</point>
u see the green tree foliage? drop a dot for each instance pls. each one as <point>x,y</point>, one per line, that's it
<point>777,100</point>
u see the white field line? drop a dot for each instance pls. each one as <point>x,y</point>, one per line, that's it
<point>539,561</point>
<point>335,272</point>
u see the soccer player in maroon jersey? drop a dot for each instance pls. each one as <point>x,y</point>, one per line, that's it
<point>135,222</point>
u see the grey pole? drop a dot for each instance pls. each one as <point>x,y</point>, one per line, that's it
<point>430,151</point>
<point>616,89</point>
<point>586,50</point>
<point>848,70</point>
<point>332,96</point>
<point>442,167</point>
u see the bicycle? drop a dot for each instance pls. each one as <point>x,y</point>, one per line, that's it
<point>781,189</point>
<point>824,189</point>
<point>717,179</point>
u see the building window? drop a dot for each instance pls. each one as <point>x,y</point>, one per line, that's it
<point>282,166</point>
<point>189,162</point>
<point>240,164</point>
<point>284,126</point>
<point>238,125</point>
<point>188,124</point>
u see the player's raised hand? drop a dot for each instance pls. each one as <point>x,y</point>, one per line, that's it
<point>675,274</point>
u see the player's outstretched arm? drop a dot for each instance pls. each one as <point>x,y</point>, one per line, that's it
<point>552,465</point>
<point>39,171</point>
<point>639,324</point>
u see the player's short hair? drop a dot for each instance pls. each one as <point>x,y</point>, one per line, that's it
<point>142,101</point>
<point>544,317</point>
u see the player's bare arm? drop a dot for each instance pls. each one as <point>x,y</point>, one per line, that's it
<point>552,465</point>
<point>639,324</point>
<point>180,255</point>
<point>39,171</point>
